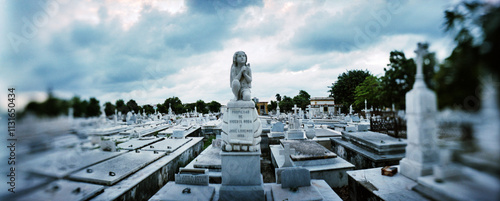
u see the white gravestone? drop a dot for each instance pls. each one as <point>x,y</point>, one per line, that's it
<point>421,151</point>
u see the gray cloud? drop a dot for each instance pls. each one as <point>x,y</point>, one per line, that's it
<point>362,26</point>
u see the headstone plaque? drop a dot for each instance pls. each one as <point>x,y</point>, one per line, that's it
<point>192,177</point>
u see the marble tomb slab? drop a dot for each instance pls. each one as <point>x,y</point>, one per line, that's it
<point>172,191</point>
<point>111,171</point>
<point>308,150</point>
<point>64,190</point>
<point>62,163</point>
<point>138,143</point>
<point>377,143</point>
<point>167,145</point>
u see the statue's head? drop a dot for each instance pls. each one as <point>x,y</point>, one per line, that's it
<point>236,55</point>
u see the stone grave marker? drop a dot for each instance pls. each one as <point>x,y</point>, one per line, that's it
<point>192,177</point>
<point>178,134</point>
<point>277,129</point>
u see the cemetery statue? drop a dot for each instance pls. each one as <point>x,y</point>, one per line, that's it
<point>241,130</point>
<point>241,77</point>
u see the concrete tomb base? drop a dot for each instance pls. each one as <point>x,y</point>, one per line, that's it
<point>241,177</point>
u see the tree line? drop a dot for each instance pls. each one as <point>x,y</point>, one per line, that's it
<point>456,81</point>
<point>53,107</point>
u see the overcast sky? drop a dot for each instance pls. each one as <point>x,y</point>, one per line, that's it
<point>153,50</point>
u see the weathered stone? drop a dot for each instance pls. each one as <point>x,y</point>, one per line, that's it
<point>62,163</point>
<point>308,150</point>
<point>65,190</point>
<point>192,177</point>
<point>241,168</point>
<point>134,144</point>
<point>241,127</point>
<point>113,170</point>
<point>295,134</point>
<point>295,177</point>
<point>172,191</point>
<point>300,193</point>
<point>167,145</point>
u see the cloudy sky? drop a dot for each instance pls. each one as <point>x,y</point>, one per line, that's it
<point>153,50</point>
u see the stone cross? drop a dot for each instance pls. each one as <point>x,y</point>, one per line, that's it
<point>350,109</point>
<point>421,52</point>
<point>365,105</point>
<point>286,152</point>
<point>295,108</point>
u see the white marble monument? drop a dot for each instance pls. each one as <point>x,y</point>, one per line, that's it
<point>241,129</point>
<point>421,151</point>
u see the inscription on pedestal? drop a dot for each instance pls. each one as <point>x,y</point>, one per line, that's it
<point>240,126</point>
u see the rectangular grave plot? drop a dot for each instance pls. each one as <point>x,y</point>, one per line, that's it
<point>308,150</point>
<point>65,190</point>
<point>138,143</point>
<point>61,164</point>
<point>111,171</point>
<point>167,145</point>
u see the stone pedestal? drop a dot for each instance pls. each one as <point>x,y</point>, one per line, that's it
<point>241,177</point>
<point>241,127</point>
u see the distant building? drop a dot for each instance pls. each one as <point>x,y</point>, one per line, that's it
<point>262,108</point>
<point>323,105</point>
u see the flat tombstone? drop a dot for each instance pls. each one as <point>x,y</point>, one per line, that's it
<point>178,134</point>
<point>295,177</point>
<point>65,190</point>
<point>173,191</point>
<point>108,146</point>
<point>362,127</point>
<point>295,134</point>
<point>192,177</point>
<point>278,127</point>
<point>307,150</point>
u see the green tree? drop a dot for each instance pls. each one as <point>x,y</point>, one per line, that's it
<point>272,105</point>
<point>214,106</point>
<point>176,105</point>
<point>343,90</point>
<point>93,109</point>
<point>286,104</point>
<point>189,107</point>
<point>85,105</point>
<point>121,107</point>
<point>161,108</point>
<point>398,79</point>
<point>148,109</point>
<point>475,28</point>
<point>78,108</point>
<point>278,97</point>
<point>368,90</point>
<point>132,106</point>
<point>302,100</point>
<point>109,109</point>
<point>201,107</point>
